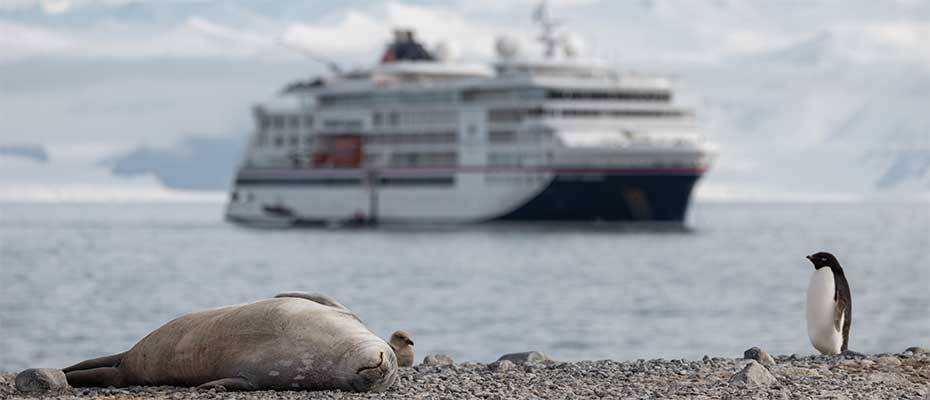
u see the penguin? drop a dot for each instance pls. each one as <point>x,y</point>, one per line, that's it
<point>829,305</point>
<point>403,348</point>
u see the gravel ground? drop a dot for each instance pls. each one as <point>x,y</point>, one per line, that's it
<point>884,376</point>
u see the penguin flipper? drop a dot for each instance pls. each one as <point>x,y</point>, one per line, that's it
<point>839,316</point>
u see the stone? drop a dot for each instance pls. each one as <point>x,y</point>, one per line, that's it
<point>527,357</point>
<point>501,365</point>
<point>41,380</point>
<point>754,374</point>
<point>759,355</point>
<point>438,360</point>
<point>889,361</point>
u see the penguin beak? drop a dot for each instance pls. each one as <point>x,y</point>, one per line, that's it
<point>811,258</point>
<point>410,342</point>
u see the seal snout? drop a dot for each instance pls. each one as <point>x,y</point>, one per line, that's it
<point>376,366</point>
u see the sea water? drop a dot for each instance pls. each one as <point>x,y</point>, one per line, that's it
<point>84,280</point>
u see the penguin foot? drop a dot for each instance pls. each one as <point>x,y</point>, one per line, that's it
<point>852,354</point>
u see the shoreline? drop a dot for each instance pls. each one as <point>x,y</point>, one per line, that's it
<point>881,376</point>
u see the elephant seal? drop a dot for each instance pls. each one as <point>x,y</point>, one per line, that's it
<point>295,341</point>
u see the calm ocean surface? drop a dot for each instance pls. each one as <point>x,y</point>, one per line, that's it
<point>80,281</point>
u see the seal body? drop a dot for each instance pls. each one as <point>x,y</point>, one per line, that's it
<point>293,342</point>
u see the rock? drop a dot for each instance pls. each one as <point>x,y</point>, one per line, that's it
<point>889,361</point>
<point>438,360</point>
<point>528,357</point>
<point>886,378</point>
<point>754,374</point>
<point>501,365</point>
<point>917,350</point>
<point>41,380</point>
<point>759,355</point>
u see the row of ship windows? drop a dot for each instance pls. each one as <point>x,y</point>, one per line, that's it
<point>392,160</point>
<point>389,119</point>
<point>426,138</point>
<point>448,137</point>
<point>379,119</point>
<point>409,160</point>
<point>280,121</point>
<point>517,115</point>
<point>394,118</point>
<point>480,95</point>
<point>644,95</point>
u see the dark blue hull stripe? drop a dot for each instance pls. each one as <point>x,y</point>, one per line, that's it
<point>610,198</point>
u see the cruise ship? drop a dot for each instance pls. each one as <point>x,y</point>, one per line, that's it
<point>421,139</point>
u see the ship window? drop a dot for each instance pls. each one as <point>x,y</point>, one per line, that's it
<point>432,159</point>
<point>294,140</point>
<point>499,159</point>
<point>377,118</point>
<point>502,137</point>
<point>262,139</point>
<point>342,124</point>
<point>345,100</point>
<point>294,121</point>
<point>308,139</point>
<point>393,119</point>
<point>308,121</point>
<point>264,122</point>
<point>279,141</point>
<point>278,121</point>
<point>446,137</point>
<point>505,115</point>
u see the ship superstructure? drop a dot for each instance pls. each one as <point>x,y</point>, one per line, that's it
<point>421,139</point>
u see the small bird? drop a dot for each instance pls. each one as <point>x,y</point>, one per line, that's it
<point>829,305</point>
<point>403,348</point>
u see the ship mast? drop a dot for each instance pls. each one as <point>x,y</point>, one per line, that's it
<point>549,36</point>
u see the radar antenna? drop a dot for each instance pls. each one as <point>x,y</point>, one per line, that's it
<point>330,64</point>
<point>549,26</point>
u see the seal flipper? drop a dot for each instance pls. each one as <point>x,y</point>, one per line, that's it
<point>105,361</point>
<point>96,377</point>
<point>231,384</point>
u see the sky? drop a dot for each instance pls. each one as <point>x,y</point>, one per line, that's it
<point>773,82</point>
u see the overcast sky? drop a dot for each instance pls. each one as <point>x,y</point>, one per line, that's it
<point>87,78</point>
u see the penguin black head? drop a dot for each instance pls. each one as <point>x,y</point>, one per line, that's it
<point>824,259</point>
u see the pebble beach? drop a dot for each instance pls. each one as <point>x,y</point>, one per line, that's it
<point>903,375</point>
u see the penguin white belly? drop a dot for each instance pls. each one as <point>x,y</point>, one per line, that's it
<point>821,310</point>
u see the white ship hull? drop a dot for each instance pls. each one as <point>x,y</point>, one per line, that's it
<point>463,195</point>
